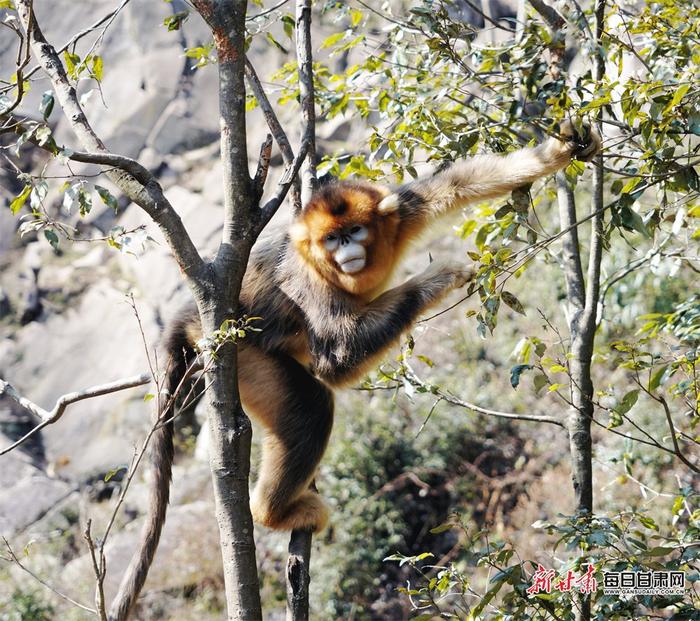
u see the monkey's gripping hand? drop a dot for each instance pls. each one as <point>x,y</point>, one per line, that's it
<point>448,276</point>
<point>583,144</point>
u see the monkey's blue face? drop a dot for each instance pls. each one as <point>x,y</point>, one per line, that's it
<point>346,246</point>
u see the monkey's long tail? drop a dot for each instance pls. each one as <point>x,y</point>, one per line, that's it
<point>162,455</point>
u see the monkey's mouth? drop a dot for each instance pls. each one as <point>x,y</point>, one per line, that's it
<point>352,266</point>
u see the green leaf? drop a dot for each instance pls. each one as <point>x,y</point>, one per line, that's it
<point>516,372</point>
<point>678,95</point>
<point>513,302</point>
<point>355,17</point>
<point>97,68</point>
<point>632,221</point>
<point>627,402</point>
<point>332,40</point>
<point>173,22</point>
<point>658,378</point>
<point>648,522</point>
<point>442,528</point>
<point>148,397</point>
<point>113,472</point>
<point>540,382</point>
<point>84,201</point>
<point>52,238</point>
<point>19,200</point>
<point>288,25</point>
<point>107,198</point>
<point>659,551</point>
<point>72,63</point>
<point>46,105</point>
<point>277,44</point>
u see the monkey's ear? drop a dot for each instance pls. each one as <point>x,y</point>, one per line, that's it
<point>299,232</point>
<point>389,204</point>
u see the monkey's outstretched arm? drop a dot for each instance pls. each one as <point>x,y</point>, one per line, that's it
<point>484,177</point>
<point>348,348</point>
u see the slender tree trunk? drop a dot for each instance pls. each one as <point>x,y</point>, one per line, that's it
<point>299,560</point>
<point>583,297</point>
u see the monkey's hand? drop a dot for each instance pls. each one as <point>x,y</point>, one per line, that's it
<point>450,275</point>
<point>581,144</point>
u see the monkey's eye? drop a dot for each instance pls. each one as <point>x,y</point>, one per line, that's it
<point>358,232</point>
<point>331,241</point>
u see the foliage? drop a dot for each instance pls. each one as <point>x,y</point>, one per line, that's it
<point>25,605</point>
<point>631,541</point>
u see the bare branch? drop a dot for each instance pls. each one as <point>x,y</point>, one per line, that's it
<point>275,127</point>
<point>272,9</point>
<point>300,540</point>
<point>550,15</point>
<point>676,447</point>
<point>571,250</point>
<point>23,56</point>
<point>449,398</point>
<point>14,559</point>
<point>263,166</point>
<point>307,96</point>
<point>512,416</point>
<point>98,570</point>
<point>285,182</point>
<point>50,417</point>
<point>298,576</point>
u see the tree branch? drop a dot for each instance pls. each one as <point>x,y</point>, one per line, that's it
<point>275,127</point>
<point>226,18</point>
<point>263,166</point>
<point>298,577</point>
<point>307,96</point>
<point>571,250</point>
<point>50,417</point>
<point>674,439</point>
<point>286,181</point>
<point>298,563</point>
<point>449,398</point>
<point>550,15</point>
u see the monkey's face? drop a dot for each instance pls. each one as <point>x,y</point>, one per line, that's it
<point>345,237</point>
<point>346,246</point>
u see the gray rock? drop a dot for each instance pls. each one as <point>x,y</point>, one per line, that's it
<point>188,553</point>
<point>5,306</point>
<point>96,341</point>
<point>26,492</point>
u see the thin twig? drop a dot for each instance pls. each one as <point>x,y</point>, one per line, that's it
<point>13,559</point>
<point>76,37</point>
<point>98,570</point>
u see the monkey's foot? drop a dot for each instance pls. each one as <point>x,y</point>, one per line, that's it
<point>306,512</point>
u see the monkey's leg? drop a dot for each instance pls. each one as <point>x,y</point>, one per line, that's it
<point>296,411</point>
